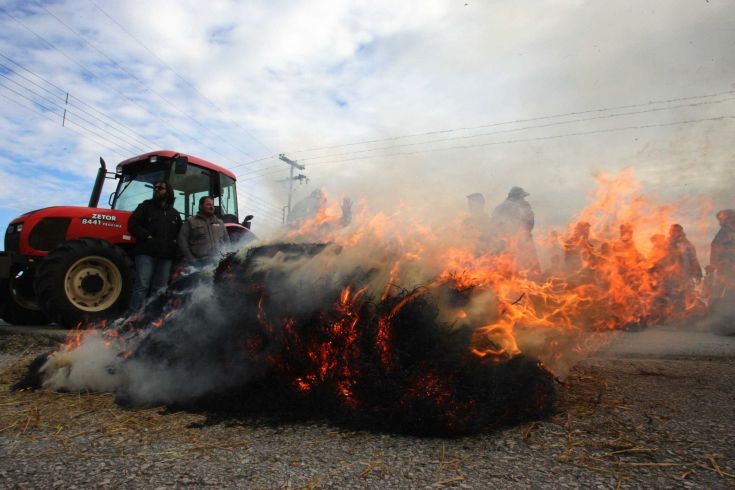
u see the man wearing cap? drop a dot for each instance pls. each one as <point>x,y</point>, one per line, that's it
<point>511,224</point>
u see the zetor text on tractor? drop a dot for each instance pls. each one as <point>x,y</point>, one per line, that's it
<point>68,264</point>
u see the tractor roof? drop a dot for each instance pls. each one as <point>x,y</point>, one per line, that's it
<point>171,154</point>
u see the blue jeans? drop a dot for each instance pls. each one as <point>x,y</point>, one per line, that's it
<point>151,274</point>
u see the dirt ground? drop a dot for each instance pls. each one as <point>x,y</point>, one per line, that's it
<point>630,417</point>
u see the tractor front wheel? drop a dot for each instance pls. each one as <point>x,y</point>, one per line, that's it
<point>82,280</point>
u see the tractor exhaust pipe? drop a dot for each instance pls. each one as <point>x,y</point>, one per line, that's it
<point>94,199</point>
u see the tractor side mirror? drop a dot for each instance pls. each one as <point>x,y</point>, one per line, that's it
<point>180,164</point>
<point>247,220</point>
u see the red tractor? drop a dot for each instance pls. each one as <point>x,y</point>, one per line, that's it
<point>69,264</point>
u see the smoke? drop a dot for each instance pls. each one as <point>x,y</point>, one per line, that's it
<point>393,311</point>
<point>316,324</point>
<point>721,318</point>
<point>146,364</point>
<point>89,366</point>
<point>178,360</point>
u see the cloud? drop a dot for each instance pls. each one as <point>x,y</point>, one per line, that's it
<point>283,76</point>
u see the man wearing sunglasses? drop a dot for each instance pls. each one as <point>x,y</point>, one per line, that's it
<point>155,225</point>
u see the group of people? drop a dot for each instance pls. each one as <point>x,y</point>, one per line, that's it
<point>162,237</point>
<point>672,270</point>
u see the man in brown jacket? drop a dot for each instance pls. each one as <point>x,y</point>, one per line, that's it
<point>203,237</point>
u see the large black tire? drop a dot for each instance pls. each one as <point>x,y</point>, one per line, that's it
<point>82,280</point>
<point>16,308</point>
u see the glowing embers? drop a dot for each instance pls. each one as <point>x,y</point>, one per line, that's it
<point>388,363</point>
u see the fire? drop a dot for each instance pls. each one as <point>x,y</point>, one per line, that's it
<point>616,265</point>
<point>389,314</point>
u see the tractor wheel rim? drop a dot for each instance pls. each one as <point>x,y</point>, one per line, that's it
<point>101,270</point>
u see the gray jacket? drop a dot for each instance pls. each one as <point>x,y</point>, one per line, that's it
<point>202,238</point>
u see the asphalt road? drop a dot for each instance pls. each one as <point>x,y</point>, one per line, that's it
<point>652,409</point>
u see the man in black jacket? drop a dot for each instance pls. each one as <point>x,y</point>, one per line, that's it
<point>155,224</point>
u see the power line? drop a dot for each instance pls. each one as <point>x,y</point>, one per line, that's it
<point>264,202</point>
<point>525,128</point>
<point>47,109</point>
<point>143,84</point>
<point>248,133</point>
<point>85,70</point>
<point>274,172</point>
<point>515,121</point>
<point>262,208</point>
<point>65,114</point>
<point>254,210</point>
<point>540,138</point>
<point>69,128</point>
<point>110,122</point>
<point>255,172</point>
<point>270,157</point>
<point>265,212</point>
<point>261,202</point>
<point>15,72</point>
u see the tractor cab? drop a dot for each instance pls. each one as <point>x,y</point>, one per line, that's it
<point>190,177</point>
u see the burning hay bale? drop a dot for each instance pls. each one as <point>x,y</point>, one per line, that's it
<point>385,363</point>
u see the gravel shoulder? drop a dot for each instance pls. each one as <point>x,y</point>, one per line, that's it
<point>623,421</point>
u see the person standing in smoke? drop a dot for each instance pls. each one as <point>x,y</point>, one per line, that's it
<point>624,249</point>
<point>625,262</point>
<point>682,270</point>
<point>722,256</point>
<point>307,208</point>
<point>312,212</point>
<point>683,254</point>
<point>512,225</point>
<point>476,226</point>
<point>579,252</point>
<point>155,225</point>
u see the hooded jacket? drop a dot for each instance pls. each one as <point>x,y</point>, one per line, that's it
<point>156,229</point>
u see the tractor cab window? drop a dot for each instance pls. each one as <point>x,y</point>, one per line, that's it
<point>189,187</point>
<point>228,200</point>
<point>136,187</point>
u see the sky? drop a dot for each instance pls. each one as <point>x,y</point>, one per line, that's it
<point>394,104</point>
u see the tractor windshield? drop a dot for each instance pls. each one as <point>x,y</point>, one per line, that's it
<point>136,185</point>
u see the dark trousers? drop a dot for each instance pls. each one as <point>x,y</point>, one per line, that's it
<point>151,274</point>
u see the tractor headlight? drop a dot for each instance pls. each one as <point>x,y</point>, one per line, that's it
<point>19,227</point>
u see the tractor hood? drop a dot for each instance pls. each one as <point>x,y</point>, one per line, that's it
<point>37,232</point>
<point>68,212</point>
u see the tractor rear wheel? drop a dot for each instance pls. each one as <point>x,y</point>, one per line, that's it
<point>82,280</point>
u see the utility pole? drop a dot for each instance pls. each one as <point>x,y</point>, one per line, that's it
<point>301,178</point>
